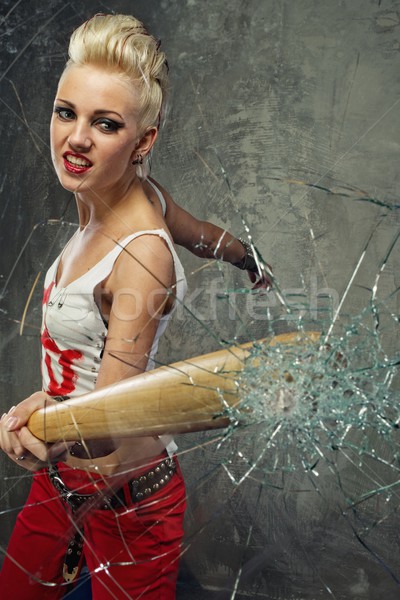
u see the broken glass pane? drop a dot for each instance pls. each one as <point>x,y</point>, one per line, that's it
<point>299,497</point>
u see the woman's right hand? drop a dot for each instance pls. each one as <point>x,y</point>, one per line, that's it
<point>19,444</point>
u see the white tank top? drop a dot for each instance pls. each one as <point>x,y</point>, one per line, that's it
<point>73,330</point>
<point>160,196</point>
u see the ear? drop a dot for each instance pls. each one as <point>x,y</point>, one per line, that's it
<point>145,143</point>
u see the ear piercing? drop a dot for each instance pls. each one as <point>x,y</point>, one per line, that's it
<point>138,160</point>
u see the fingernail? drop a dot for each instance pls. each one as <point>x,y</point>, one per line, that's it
<point>11,410</point>
<point>11,423</point>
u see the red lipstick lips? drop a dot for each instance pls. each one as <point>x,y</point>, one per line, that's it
<point>76,163</point>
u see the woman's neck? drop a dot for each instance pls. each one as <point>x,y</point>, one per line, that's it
<point>97,208</point>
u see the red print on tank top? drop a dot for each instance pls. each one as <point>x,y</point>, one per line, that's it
<point>65,360</point>
<point>46,293</point>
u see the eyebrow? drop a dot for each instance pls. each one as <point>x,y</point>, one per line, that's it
<point>99,111</point>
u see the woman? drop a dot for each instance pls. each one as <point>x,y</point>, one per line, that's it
<point>118,506</point>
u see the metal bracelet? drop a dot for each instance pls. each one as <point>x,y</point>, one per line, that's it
<point>248,262</point>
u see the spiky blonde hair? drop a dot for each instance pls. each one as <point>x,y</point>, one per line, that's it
<point>121,42</point>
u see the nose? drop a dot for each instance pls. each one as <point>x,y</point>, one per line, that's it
<point>79,138</point>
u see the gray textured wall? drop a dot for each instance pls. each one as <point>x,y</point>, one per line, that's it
<point>282,94</point>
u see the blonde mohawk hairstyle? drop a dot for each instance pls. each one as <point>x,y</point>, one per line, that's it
<point>121,42</point>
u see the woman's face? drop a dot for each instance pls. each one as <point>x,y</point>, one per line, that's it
<point>94,130</point>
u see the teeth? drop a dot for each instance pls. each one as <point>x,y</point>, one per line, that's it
<point>79,162</point>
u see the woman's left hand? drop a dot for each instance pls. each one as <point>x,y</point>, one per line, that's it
<point>263,282</point>
<point>19,444</point>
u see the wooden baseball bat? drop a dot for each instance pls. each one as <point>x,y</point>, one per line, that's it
<point>182,397</point>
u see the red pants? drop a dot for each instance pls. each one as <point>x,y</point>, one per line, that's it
<point>131,553</point>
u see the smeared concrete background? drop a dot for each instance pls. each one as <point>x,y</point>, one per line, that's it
<point>275,91</point>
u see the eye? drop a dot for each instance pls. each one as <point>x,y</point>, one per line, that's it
<point>108,126</point>
<point>66,114</point>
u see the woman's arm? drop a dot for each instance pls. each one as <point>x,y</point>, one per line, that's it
<point>206,240</point>
<point>139,288</point>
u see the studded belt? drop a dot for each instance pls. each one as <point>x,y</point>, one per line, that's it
<point>142,487</point>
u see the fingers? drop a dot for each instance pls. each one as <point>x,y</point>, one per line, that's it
<point>31,444</point>
<point>17,441</point>
<point>8,419</point>
<point>19,415</point>
<point>9,441</point>
<point>40,450</point>
<point>264,283</point>
<point>12,446</point>
<point>261,281</point>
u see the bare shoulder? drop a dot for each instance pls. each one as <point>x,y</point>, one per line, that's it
<point>146,260</point>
